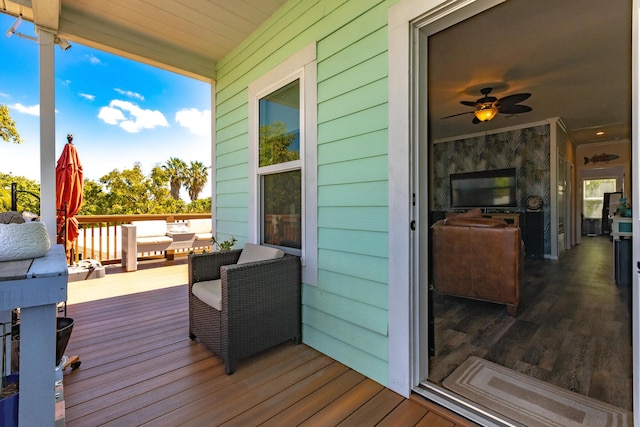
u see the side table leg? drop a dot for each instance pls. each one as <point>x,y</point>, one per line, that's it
<point>37,365</point>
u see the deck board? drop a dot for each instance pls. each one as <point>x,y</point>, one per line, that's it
<point>139,367</point>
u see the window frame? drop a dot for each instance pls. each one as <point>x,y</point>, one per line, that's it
<point>302,66</point>
<point>599,197</point>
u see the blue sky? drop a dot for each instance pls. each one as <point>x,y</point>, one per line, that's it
<point>119,111</point>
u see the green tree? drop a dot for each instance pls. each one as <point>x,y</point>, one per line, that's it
<point>176,172</point>
<point>200,206</point>
<point>8,131</point>
<point>275,144</point>
<point>27,197</point>
<point>195,179</point>
<point>94,199</point>
<point>283,189</point>
<point>126,192</point>
<point>131,192</point>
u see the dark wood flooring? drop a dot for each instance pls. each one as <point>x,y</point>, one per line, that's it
<point>572,329</point>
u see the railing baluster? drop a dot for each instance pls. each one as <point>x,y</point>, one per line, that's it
<point>90,248</point>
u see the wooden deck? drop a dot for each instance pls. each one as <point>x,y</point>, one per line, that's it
<point>140,368</point>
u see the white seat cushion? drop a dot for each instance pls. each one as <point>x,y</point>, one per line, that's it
<point>252,253</point>
<point>209,292</point>
<point>152,240</point>
<point>204,236</point>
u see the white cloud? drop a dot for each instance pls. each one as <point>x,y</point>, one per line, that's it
<point>33,110</point>
<point>198,122</point>
<point>93,60</point>
<point>130,94</point>
<point>130,117</point>
<point>87,96</point>
<point>110,116</point>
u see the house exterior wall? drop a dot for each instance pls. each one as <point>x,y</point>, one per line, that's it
<point>346,315</point>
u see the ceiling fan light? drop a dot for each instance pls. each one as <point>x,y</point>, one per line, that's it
<point>486,112</point>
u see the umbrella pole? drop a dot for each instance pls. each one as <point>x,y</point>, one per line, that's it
<point>66,235</point>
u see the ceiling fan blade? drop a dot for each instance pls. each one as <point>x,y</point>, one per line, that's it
<point>486,99</point>
<point>475,120</point>
<point>468,103</point>
<point>455,115</point>
<point>513,99</point>
<point>513,109</point>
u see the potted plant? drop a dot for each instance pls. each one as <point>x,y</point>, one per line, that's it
<point>225,245</point>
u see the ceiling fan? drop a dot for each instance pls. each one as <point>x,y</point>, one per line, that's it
<point>487,107</point>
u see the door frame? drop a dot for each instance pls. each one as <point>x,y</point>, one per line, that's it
<point>635,178</point>
<point>408,337</point>
<point>408,213</point>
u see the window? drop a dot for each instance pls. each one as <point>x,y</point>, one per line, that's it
<point>282,160</point>
<point>279,166</point>
<point>593,195</point>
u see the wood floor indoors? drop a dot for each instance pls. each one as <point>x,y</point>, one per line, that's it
<point>138,367</point>
<point>572,329</point>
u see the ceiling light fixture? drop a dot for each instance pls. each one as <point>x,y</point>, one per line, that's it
<point>486,112</point>
<point>600,133</point>
<point>62,43</point>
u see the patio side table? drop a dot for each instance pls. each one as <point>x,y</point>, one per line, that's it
<point>35,286</point>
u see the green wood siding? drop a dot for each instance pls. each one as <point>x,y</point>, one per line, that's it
<point>346,315</point>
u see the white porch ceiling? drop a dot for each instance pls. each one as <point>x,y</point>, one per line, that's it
<point>573,56</point>
<point>185,36</point>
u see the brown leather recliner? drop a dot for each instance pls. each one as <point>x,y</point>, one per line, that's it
<point>478,258</point>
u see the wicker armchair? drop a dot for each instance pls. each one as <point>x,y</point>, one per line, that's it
<point>260,304</point>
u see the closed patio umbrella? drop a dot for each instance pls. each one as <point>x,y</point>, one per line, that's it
<point>69,181</point>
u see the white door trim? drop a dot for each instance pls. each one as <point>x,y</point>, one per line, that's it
<point>405,21</point>
<point>635,162</point>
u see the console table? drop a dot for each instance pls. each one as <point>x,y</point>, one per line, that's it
<point>621,232</point>
<point>511,218</point>
<point>621,227</point>
<point>35,286</point>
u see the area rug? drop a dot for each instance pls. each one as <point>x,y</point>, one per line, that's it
<point>530,401</point>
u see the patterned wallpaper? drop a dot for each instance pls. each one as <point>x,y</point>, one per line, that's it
<point>525,149</point>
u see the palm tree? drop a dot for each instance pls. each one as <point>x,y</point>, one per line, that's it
<point>195,179</point>
<point>176,170</point>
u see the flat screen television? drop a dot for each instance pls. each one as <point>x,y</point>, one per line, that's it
<point>484,189</point>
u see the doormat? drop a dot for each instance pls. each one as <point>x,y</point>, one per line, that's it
<point>530,401</point>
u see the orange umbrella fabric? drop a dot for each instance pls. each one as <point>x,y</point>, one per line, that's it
<point>69,181</point>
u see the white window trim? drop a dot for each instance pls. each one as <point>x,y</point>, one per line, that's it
<point>301,65</point>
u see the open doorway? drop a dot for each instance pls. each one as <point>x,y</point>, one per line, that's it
<point>554,337</point>
<point>601,190</point>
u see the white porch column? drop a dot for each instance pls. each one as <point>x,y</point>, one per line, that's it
<point>47,133</point>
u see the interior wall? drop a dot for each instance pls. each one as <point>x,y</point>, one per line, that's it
<point>527,149</point>
<point>591,157</point>
<point>565,193</point>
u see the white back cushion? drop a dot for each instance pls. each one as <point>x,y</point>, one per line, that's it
<point>252,252</point>
<point>199,225</point>
<point>150,228</point>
